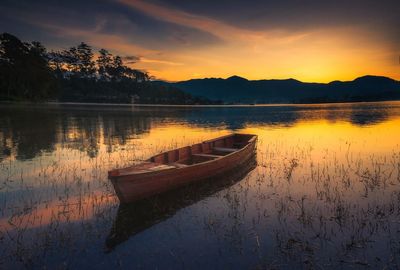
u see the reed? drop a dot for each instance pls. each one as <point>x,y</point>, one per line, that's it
<point>295,209</point>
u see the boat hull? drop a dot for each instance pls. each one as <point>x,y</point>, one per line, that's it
<point>133,187</point>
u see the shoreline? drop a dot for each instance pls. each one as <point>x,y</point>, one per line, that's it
<point>188,105</point>
<point>214,105</point>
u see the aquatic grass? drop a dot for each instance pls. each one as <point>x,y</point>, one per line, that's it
<point>308,207</point>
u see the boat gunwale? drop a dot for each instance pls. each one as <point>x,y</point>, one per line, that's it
<point>120,177</point>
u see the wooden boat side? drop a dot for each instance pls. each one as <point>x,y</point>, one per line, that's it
<point>132,187</point>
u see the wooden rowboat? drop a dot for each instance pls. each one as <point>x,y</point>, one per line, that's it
<point>182,166</point>
<point>136,217</point>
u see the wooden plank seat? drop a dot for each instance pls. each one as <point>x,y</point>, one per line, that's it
<point>226,150</point>
<point>145,167</point>
<point>206,155</point>
<point>178,165</point>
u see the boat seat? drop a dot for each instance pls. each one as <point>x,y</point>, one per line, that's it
<point>206,155</point>
<point>145,167</point>
<point>178,165</point>
<point>239,145</point>
<point>161,167</point>
<point>227,150</point>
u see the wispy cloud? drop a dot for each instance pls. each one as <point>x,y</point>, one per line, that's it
<point>147,60</point>
<point>250,38</point>
<point>215,27</point>
<point>131,59</point>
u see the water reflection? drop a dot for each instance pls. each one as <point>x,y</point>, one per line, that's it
<point>326,184</point>
<point>26,132</point>
<point>139,216</point>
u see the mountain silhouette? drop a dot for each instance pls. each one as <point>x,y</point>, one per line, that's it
<point>236,89</point>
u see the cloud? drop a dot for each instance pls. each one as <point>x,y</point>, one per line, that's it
<point>381,18</point>
<point>103,17</point>
<point>170,63</point>
<point>289,14</point>
<point>214,27</point>
<point>131,59</point>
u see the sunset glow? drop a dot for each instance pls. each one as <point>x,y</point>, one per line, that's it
<point>175,41</point>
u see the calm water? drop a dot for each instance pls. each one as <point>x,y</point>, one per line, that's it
<point>324,191</point>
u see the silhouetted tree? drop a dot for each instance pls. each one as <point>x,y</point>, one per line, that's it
<point>24,70</point>
<point>104,64</point>
<point>141,76</point>
<point>29,72</point>
<point>71,60</point>
<point>85,60</point>
<point>117,70</point>
<point>37,48</point>
<point>57,62</point>
<point>79,61</point>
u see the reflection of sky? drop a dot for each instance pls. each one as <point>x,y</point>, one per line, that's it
<point>79,139</point>
<point>62,178</point>
<point>87,129</point>
<point>83,135</point>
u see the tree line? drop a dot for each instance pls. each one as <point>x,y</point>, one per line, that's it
<point>29,72</point>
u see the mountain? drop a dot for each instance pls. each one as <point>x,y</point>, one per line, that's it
<point>240,90</point>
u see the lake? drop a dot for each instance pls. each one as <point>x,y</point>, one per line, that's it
<point>323,193</point>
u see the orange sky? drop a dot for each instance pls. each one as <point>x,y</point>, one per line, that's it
<point>180,41</point>
<point>320,55</point>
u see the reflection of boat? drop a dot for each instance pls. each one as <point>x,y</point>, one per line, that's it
<point>143,214</point>
<point>181,166</point>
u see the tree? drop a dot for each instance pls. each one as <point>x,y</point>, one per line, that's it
<point>24,70</point>
<point>79,61</point>
<point>117,70</point>
<point>29,72</point>
<point>136,75</point>
<point>38,48</point>
<point>141,76</point>
<point>57,62</point>
<point>104,64</point>
<point>85,57</point>
<point>12,53</point>
<point>71,60</point>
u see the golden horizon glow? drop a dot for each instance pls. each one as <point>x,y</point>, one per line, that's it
<point>311,55</point>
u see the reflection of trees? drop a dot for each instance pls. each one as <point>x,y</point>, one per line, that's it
<point>28,131</point>
<point>84,128</point>
<point>356,113</point>
<point>5,148</point>
<point>83,133</point>
<point>118,127</point>
<point>367,115</point>
<point>238,117</point>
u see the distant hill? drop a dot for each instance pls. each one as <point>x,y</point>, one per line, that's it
<point>239,90</point>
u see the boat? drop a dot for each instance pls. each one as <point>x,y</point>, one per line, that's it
<point>182,166</point>
<point>133,218</point>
